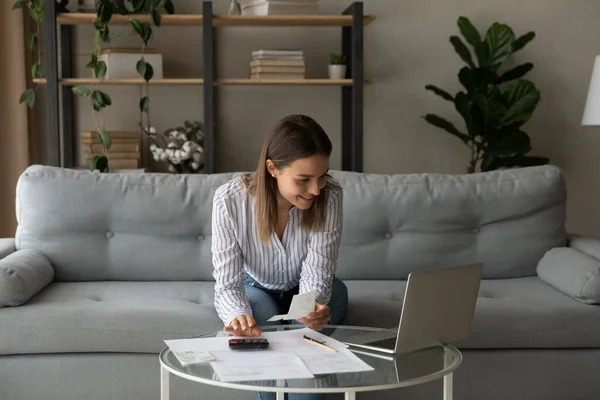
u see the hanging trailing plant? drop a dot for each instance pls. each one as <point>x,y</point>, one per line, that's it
<point>35,9</point>
<point>105,9</point>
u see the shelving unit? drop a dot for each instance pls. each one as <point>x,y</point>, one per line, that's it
<point>351,22</point>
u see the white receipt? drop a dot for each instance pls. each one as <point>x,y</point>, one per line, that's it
<point>302,304</point>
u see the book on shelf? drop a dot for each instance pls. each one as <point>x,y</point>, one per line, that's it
<point>124,164</point>
<point>278,53</point>
<point>113,135</point>
<point>279,70</point>
<point>275,62</point>
<point>261,75</point>
<point>115,156</point>
<point>268,7</point>
<point>115,147</point>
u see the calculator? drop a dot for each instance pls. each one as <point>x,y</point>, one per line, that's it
<point>248,343</point>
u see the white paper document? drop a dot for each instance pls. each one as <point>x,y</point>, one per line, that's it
<point>302,304</point>
<point>258,365</point>
<point>317,359</point>
<point>189,351</point>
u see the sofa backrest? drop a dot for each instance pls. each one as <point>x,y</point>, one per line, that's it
<point>153,227</point>
<point>395,224</point>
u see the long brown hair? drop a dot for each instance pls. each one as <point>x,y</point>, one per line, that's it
<point>293,137</point>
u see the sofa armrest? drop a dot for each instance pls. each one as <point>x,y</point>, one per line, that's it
<point>7,246</point>
<point>573,272</point>
<point>585,244</point>
<point>23,274</point>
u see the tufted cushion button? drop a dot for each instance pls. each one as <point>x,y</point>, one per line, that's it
<point>201,238</point>
<point>109,234</point>
<point>388,235</point>
<point>476,229</point>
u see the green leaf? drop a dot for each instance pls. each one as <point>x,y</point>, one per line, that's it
<point>140,66</point>
<point>521,97</point>
<point>106,13</point>
<point>104,138</point>
<point>32,41</point>
<point>515,73</point>
<point>510,145</point>
<point>156,17</point>
<point>461,103</point>
<point>129,6</point>
<point>137,27</point>
<point>443,94</point>
<point>496,107</point>
<point>100,70</point>
<point>161,3</point>
<point>489,163</point>
<point>19,4</point>
<point>467,78</point>
<point>97,100</point>
<point>499,42</point>
<point>99,163</point>
<point>462,50</point>
<point>144,104</point>
<point>82,91</point>
<point>447,126</point>
<point>28,96</point>
<point>106,99</point>
<point>522,41</point>
<point>469,32</point>
<point>149,72</point>
<point>93,62</point>
<point>35,70</point>
<point>481,113</point>
<point>169,8</point>
<point>147,38</point>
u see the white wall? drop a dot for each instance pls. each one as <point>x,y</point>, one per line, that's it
<point>406,48</point>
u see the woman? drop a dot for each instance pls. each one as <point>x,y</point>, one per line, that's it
<point>276,233</point>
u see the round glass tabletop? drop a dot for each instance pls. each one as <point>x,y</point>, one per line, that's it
<point>389,371</point>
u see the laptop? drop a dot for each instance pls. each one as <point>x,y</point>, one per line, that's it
<point>438,308</point>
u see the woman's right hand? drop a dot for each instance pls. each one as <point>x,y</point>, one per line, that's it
<point>244,325</point>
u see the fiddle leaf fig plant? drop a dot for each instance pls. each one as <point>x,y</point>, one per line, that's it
<point>493,104</point>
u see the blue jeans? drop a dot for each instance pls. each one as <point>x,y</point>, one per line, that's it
<point>265,303</point>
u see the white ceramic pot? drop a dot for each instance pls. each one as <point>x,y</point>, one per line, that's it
<point>337,71</point>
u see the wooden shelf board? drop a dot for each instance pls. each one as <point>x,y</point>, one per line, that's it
<point>229,20</point>
<point>199,81</point>
<point>89,81</point>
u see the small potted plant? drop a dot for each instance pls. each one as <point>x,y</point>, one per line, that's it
<point>337,68</point>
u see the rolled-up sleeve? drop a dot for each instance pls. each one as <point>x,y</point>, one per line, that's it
<point>319,266</point>
<point>230,297</point>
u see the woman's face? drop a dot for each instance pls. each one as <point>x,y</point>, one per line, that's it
<point>301,181</point>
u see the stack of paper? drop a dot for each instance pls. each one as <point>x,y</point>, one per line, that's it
<point>288,357</point>
<point>279,7</point>
<point>277,64</point>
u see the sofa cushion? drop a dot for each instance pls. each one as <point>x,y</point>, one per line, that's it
<point>572,272</point>
<point>510,313</point>
<point>23,274</point>
<point>130,317</point>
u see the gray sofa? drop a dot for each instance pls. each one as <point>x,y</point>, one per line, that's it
<point>104,267</point>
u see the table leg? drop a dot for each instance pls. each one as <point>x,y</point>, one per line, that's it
<point>280,396</point>
<point>164,383</point>
<point>350,396</point>
<point>448,379</point>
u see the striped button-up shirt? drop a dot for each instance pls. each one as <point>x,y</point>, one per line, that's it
<point>302,258</point>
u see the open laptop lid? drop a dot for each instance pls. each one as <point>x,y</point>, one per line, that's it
<point>439,305</point>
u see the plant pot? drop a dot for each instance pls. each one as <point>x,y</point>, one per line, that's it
<point>337,71</point>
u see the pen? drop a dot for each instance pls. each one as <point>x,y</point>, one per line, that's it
<point>317,343</point>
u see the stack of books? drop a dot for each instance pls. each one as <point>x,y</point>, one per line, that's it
<point>277,64</point>
<point>279,7</point>
<point>124,152</point>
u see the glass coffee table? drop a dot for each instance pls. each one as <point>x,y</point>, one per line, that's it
<point>389,372</point>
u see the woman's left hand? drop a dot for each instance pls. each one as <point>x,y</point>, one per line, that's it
<point>317,319</point>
